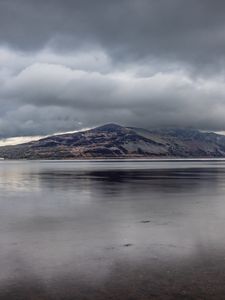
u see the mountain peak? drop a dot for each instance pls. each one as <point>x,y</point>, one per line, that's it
<point>109,127</point>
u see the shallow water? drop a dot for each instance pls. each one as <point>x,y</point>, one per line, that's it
<point>112,230</point>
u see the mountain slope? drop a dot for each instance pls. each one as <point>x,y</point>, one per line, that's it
<point>115,141</point>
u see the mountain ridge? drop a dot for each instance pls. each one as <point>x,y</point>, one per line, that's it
<point>116,141</point>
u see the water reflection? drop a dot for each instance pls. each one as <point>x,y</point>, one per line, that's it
<point>162,180</point>
<point>112,231</point>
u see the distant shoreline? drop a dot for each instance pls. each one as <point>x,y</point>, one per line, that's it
<point>121,159</point>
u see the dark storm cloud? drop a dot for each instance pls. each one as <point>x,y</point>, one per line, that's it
<point>188,31</point>
<point>68,64</point>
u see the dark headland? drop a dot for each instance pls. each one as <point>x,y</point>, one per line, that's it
<point>115,141</point>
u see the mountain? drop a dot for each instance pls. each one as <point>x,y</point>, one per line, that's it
<point>115,141</point>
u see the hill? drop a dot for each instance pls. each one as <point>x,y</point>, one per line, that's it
<point>115,141</point>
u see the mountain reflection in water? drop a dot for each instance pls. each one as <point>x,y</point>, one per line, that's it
<point>112,230</point>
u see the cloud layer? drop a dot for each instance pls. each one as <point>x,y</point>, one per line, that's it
<point>66,65</point>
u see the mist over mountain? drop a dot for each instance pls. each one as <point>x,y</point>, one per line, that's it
<point>116,141</point>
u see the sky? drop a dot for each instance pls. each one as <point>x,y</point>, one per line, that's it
<point>72,64</point>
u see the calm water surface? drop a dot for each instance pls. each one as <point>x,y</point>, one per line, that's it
<point>112,230</point>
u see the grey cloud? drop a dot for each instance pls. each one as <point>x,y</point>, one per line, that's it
<point>66,65</point>
<point>177,30</point>
<point>48,98</point>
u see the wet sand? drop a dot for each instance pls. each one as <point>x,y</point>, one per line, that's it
<point>122,230</point>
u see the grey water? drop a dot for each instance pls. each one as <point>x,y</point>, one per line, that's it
<point>112,229</point>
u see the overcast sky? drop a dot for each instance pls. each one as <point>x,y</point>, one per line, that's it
<point>72,64</point>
